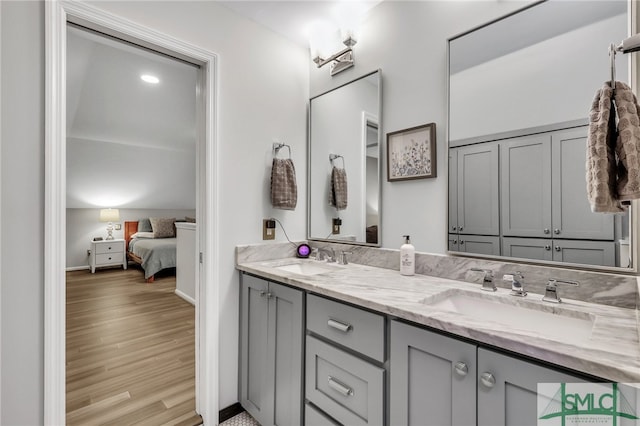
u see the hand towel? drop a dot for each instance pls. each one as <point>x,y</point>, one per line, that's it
<point>338,188</point>
<point>601,163</point>
<point>284,190</point>
<point>627,143</point>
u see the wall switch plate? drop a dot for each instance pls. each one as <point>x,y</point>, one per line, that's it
<point>335,228</point>
<point>268,232</point>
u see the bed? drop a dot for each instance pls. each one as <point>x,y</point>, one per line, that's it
<point>152,254</point>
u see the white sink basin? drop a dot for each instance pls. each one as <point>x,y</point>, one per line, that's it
<point>551,322</point>
<point>305,268</point>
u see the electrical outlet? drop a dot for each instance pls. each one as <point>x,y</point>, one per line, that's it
<point>268,229</point>
<point>88,252</point>
<point>335,229</point>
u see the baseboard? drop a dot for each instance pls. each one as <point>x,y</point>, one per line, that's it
<point>77,268</point>
<point>185,297</point>
<point>230,411</point>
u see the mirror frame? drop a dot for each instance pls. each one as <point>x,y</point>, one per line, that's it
<point>380,161</point>
<point>634,234</point>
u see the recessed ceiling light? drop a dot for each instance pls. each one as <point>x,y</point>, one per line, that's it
<point>150,78</point>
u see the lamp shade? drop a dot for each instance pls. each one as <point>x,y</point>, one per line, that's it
<point>109,215</point>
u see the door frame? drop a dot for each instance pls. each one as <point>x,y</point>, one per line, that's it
<point>57,14</point>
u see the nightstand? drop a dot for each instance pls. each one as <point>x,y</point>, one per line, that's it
<point>107,253</point>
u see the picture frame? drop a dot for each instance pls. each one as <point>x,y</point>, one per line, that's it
<point>411,153</point>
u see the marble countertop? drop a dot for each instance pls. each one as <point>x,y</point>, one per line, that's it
<point>611,352</point>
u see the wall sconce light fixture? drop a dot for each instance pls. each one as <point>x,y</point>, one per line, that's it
<point>339,61</point>
<point>323,38</point>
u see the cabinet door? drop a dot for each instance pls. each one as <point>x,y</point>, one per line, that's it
<point>527,248</point>
<point>253,347</point>
<point>596,253</point>
<point>478,208</point>
<point>572,216</point>
<point>453,190</point>
<point>526,186</point>
<point>479,244</point>
<point>284,356</point>
<point>432,378</point>
<point>453,242</point>
<point>512,400</point>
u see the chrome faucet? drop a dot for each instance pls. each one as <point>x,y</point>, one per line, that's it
<point>487,280</point>
<point>342,259</point>
<point>517,284</point>
<point>328,254</point>
<point>551,290</point>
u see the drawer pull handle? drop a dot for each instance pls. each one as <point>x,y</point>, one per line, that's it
<point>461,369</point>
<point>345,328</point>
<point>339,387</point>
<point>265,294</point>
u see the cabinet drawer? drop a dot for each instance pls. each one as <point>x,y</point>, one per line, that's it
<point>109,258</point>
<point>354,328</point>
<point>109,248</point>
<point>347,388</point>
<point>313,417</point>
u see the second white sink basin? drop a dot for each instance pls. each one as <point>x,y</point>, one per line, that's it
<point>551,322</point>
<point>305,268</point>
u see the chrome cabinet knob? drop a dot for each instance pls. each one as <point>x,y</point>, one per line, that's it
<point>556,231</point>
<point>461,369</point>
<point>460,229</point>
<point>546,230</point>
<point>461,242</point>
<point>488,380</point>
<point>453,228</point>
<point>547,247</point>
<point>558,248</point>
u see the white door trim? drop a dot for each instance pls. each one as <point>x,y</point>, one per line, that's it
<point>57,14</point>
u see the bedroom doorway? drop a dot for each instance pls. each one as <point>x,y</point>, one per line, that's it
<point>58,16</point>
<point>130,338</point>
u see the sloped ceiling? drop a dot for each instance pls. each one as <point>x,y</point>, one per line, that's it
<point>130,143</point>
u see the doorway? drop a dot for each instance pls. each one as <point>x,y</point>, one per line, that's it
<point>58,14</point>
<point>131,139</point>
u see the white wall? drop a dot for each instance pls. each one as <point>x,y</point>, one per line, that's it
<point>262,94</point>
<point>22,203</point>
<point>408,41</point>
<point>83,225</point>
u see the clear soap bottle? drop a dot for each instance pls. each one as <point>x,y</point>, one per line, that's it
<point>407,257</point>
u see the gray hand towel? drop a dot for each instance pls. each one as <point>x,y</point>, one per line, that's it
<point>338,189</point>
<point>284,190</point>
<point>627,143</point>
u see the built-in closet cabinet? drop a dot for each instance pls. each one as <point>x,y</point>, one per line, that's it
<point>473,199</point>
<point>544,189</point>
<point>436,380</point>
<point>271,351</point>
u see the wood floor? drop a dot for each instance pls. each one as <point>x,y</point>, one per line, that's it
<point>130,350</point>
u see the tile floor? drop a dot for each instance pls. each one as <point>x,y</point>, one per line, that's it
<point>242,419</point>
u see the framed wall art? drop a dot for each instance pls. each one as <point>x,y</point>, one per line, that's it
<point>411,153</point>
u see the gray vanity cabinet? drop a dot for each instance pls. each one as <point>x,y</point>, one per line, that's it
<point>271,330</point>
<point>528,248</point>
<point>433,378</point>
<point>507,389</point>
<point>477,189</point>
<point>480,244</point>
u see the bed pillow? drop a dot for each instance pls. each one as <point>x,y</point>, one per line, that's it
<point>144,225</point>
<point>163,227</point>
<point>143,235</point>
<point>190,219</point>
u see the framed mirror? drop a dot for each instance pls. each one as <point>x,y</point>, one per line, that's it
<point>344,163</point>
<point>520,89</point>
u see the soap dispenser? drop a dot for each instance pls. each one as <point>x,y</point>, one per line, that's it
<point>407,257</point>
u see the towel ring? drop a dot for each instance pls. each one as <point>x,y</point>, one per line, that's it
<point>334,157</point>
<point>277,146</point>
